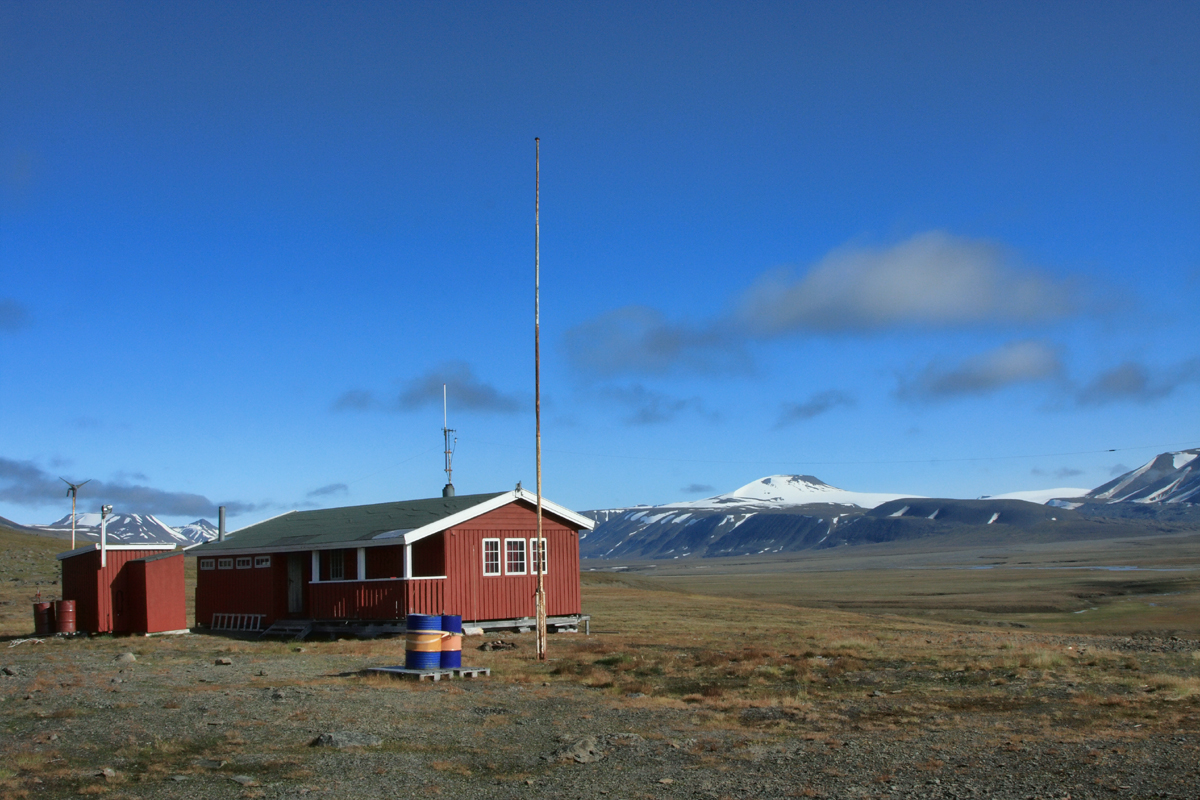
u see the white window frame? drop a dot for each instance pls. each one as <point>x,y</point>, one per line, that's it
<point>340,562</point>
<point>208,563</point>
<point>224,563</point>
<point>244,562</point>
<point>262,561</point>
<point>524,557</point>
<point>533,555</point>
<point>499,554</point>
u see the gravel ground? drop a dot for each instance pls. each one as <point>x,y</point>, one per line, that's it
<point>173,723</point>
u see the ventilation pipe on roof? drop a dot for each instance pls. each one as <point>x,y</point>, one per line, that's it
<point>448,490</point>
<point>221,523</point>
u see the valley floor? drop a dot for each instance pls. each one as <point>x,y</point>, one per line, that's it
<point>677,693</point>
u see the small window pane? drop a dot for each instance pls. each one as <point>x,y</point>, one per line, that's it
<point>337,566</point>
<point>491,556</point>
<point>225,563</point>
<point>514,556</point>
<point>208,563</point>
<point>262,561</point>
<point>533,554</point>
<point>243,563</point>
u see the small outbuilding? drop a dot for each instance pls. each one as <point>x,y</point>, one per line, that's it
<point>126,588</point>
<point>472,555</point>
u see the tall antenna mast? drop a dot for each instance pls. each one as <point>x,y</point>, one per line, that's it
<point>448,490</point>
<point>72,490</point>
<point>539,557</point>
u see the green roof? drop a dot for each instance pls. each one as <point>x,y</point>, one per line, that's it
<point>331,527</point>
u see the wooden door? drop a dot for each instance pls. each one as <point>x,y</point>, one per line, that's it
<point>296,583</point>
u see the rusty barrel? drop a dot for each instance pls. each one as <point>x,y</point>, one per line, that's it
<point>423,641</point>
<point>64,616</point>
<point>451,642</point>
<point>43,619</point>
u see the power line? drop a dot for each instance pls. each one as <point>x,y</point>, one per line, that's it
<point>930,460</point>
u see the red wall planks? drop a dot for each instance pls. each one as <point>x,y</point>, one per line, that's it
<point>456,553</point>
<point>482,597</point>
<point>106,600</point>
<point>155,588</point>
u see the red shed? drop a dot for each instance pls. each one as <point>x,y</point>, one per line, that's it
<point>472,555</point>
<point>126,589</point>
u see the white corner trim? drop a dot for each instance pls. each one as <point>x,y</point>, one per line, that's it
<point>499,501</point>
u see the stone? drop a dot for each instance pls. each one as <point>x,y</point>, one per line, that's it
<point>347,739</point>
<point>223,662</point>
<point>125,658</point>
<point>10,671</point>
<point>582,751</point>
<point>243,780</point>
<point>108,773</point>
<point>209,763</point>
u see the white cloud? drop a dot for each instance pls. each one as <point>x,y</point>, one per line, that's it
<point>931,280</point>
<point>1009,364</point>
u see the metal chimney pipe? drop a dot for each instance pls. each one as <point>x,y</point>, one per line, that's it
<point>448,490</point>
<point>221,523</point>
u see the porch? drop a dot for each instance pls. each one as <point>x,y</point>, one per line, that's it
<point>376,598</point>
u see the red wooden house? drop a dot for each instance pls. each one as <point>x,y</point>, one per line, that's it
<point>126,588</point>
<point>473,555</point>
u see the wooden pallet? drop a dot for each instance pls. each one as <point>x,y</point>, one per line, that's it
<point>429,674</point>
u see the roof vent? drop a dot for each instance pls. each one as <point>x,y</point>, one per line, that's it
<point>448,490</point>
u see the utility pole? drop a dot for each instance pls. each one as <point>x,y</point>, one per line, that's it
<point>540,555</point>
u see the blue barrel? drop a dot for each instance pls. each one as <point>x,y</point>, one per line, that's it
<point>423,645</point>
<point>451,656</point>
<point>424,622</point>
<point>417,660</point>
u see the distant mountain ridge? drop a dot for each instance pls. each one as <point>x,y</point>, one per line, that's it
<point>787,513</point>
<point>1167,478</point>
<point>126,529</point>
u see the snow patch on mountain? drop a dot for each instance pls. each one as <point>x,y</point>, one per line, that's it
<point>777,491</point>
<point>1039,496</point>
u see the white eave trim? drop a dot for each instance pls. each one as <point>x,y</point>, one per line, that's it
<point>499,501</point>
<point>90,548</point>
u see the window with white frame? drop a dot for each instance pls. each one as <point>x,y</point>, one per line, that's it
<point>262,561</point>
<point>491,556</point>
<point>243,563</point>
<point>337,565</point>
<point>533,556</point>
<point>208,563</point>
<point>514,556</point>
<point>224,563</point>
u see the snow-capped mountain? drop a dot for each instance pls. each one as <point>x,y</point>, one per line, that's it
<point>1167,478</point>
<point>121,529</point>
<point>777,491</point>
<point>773,514</point>
<point>199,531</point>
<point>787,513</point>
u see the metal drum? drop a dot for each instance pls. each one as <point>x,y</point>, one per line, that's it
<point>452,643</point>
<point>43,619</point>
<point>64,616</point>
<point>423,642</point>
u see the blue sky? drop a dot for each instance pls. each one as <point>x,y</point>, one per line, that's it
<point>949,249</point>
